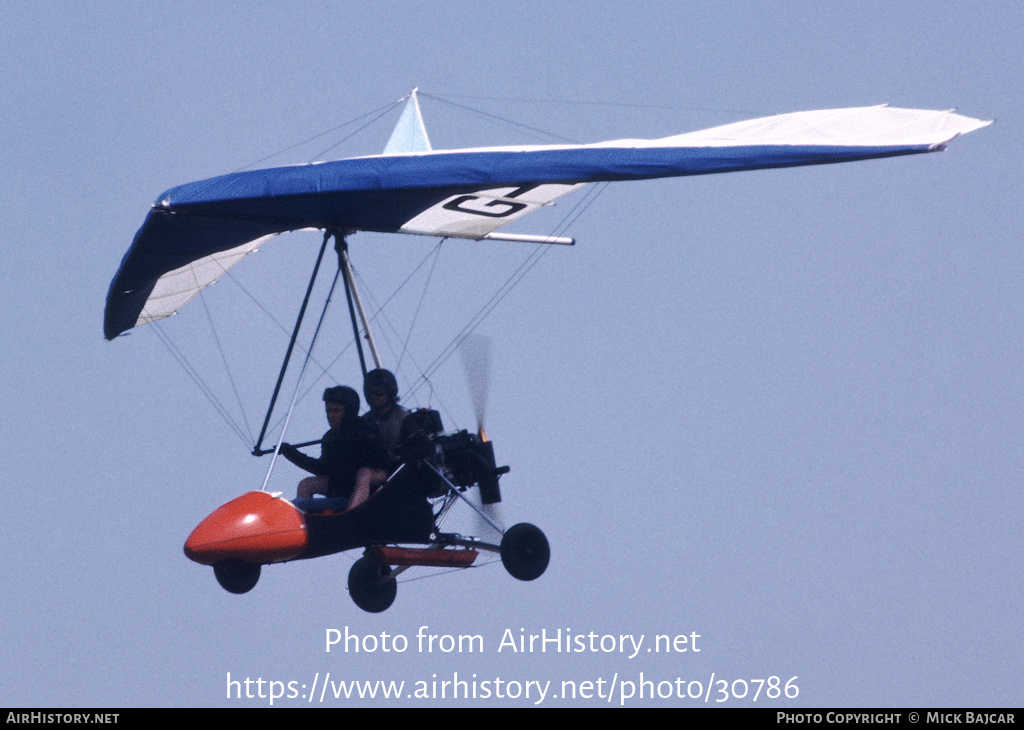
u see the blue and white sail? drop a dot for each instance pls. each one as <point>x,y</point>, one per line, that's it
<point>196,231</point>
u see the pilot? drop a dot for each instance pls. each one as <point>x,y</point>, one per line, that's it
<point>385,415</point>
<point>399,435</point>
<point>348,445</point>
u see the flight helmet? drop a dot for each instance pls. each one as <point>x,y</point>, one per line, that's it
<point>345,395</point>
<point>383,379</point>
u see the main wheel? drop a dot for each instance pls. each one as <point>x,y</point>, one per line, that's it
<point>525,552</point>
<point>371,585</point>
<point>237,576</point>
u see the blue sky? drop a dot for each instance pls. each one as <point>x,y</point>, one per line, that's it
<point>780,409</point>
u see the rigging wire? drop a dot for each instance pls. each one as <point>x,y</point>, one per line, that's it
<point>324,369</point>
<point>382,315</point>
<point>510,283</point>
<point>500,119</point>
<point>313,386</point>
<point>419,305</point>
<point>356,131</point>
<point>257,302</point>
<point>581,102</point>
<point>205,389</point>
<point>379,312</point>
<point>227,368</point>
<point>379,112</point>
<point>179,355</point>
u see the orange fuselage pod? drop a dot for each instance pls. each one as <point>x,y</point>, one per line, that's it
<point>255,528</point>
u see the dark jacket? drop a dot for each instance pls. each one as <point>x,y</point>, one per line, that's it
<point>343,451</point>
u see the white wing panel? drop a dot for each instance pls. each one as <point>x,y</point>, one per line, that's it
<point>857,126</point>
<point>475,214</point>
<point>176,288</point>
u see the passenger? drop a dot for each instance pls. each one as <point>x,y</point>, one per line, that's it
<point>347,446</point>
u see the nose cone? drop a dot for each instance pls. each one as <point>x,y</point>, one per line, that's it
<point>255,528</point>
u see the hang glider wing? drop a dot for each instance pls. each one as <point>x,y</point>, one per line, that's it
<point>194,232</point>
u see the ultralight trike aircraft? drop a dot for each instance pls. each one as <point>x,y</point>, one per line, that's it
<point>195,232</point>
<point>259,528</point>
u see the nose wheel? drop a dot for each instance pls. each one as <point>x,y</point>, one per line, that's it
<point>236,576</point>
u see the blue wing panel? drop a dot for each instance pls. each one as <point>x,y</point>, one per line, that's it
<point>195,220</point>
<point>493,168</point>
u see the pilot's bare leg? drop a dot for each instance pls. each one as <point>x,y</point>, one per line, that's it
<point>367,479</point>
